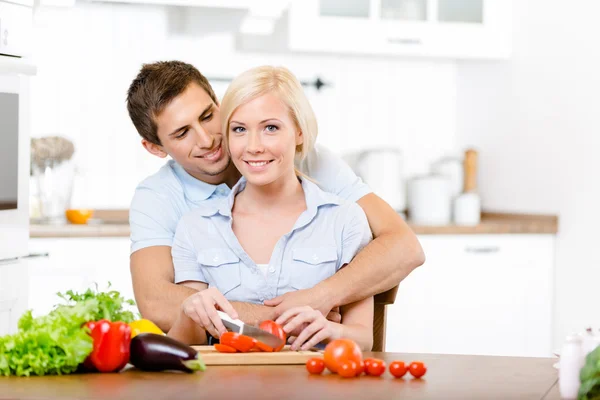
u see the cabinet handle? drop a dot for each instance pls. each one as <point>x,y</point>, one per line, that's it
<point>482,250</point>
<point>412,41</point>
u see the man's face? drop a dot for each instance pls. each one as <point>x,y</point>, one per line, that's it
<point>189,129</point>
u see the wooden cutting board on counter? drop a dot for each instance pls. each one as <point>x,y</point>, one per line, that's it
<point>210,356</point>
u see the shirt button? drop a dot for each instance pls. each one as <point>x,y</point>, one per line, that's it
<point>271,270</point>
<point>315,257</point>
<point>216,258</point>
<point>261,298</point>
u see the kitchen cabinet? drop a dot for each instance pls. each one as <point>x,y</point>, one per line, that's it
<point>477,294</point>
<point>77,264</point>
<point>461,29</point>
<point>13,294</point>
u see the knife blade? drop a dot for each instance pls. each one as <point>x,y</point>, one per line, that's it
<point>238,326</point>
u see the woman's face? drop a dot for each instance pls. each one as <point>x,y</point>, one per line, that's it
<point>262,140</point>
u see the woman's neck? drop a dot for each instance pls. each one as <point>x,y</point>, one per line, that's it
<point>282,193</point>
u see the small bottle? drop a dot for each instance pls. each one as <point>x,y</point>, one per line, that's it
<point>571,362</point>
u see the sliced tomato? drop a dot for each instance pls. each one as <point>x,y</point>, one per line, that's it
<point>223,348</point>
<point>241,343</point>
<point>275,329</point>
<point>263,347</point>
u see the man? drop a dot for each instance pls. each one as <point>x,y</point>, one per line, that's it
<point>176,112</point>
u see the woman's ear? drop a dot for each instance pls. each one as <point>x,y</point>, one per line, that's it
<point>299,138</point>
<point>154,148</point>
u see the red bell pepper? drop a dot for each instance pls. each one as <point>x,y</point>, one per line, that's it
<point>111,345</point>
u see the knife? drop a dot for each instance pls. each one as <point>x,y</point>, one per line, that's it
<point>238,326</point>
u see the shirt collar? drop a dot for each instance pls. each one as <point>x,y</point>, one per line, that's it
<point>194,189</point>
<point>314,196</point>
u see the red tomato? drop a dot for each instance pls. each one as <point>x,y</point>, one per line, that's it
<point>223,348</point>
<point>276,329</point>
<point>377,367</point>
<point>398,369</point>
<point>361,368</point>
<point>339,351</point>
<point>348,369</point>
<point>315,365</point>
<point>367,363</point>
<point>417,369</point>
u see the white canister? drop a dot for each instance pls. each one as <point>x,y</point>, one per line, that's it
<point>467,209</point>
<point>430,200</point>
<point>571,362</point>
<point>452,167</point>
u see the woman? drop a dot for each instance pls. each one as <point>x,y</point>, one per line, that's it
<point>277,231</point>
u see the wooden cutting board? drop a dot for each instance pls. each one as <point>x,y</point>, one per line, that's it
<point>285,356</point>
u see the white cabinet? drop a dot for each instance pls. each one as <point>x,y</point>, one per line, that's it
<point>476,294</point>
<point>77,264</point>
<point>13,294</point>
<point>460,29</point>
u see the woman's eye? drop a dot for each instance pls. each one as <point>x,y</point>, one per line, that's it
<point>238,129</point>
<point>271,128</point>
<point>181,135</point>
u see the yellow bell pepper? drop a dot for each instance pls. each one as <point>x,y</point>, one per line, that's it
<point>144,326</point>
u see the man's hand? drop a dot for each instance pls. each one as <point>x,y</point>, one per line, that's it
<point>202,308</point>
<point>315,297</point>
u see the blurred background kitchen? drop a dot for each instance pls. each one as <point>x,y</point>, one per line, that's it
<point>476,119</point>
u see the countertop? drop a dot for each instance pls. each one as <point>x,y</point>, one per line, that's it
<point>448,377</point>
<point>114,223</point>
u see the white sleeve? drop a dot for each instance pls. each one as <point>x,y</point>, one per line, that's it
<point>152,220</point>
<point>333,175</point>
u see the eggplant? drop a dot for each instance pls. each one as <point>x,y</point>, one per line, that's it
<point>152,352</point>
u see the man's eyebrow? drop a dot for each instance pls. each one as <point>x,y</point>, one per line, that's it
<point>206,110</point>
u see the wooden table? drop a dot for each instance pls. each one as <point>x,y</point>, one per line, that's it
<point>448,377</point>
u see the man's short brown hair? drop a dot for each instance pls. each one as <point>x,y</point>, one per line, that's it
<point>155,86</point>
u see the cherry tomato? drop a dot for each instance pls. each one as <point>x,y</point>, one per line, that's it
<point>340,351</point>
<point>376,368</point>
<point>348,369</point>
<point>398,369</point>
<point>315,365</point>
<point>276,329</point>
<point>241,343</point>
<point>417,369</point>
<point>223,348</point>
<point>367,363</point>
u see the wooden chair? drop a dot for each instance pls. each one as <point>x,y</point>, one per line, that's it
<point>381,300</point>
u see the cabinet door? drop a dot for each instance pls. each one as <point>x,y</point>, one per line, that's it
<point>481,294</point>
<point>13,295</point>
<point>429,28</point>
<point>77,264</point>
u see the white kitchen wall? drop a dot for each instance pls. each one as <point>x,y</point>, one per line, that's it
<point>88,54</point>
<point>536,123</point>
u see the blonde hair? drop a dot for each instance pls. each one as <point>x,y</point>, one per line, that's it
<point>259,81</point>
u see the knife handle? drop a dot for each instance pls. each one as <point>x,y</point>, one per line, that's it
<point>227,318</point>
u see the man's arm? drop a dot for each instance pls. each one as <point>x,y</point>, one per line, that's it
<point>159,299</point>
<point>393,254</point>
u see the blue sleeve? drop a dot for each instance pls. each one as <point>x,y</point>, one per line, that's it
<point>333,175</point>
<point>152,219</point>
<point>356,233</point>
<point>185,257</point>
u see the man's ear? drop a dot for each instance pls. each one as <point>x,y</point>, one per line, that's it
<point>154,148</point>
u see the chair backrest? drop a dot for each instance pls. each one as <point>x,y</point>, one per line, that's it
<point>381,300</point>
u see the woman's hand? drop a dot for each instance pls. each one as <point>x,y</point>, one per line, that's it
<point>316,327</point>
<point>202,308</point>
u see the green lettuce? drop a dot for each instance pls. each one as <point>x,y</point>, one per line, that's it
<point>57,343</point>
